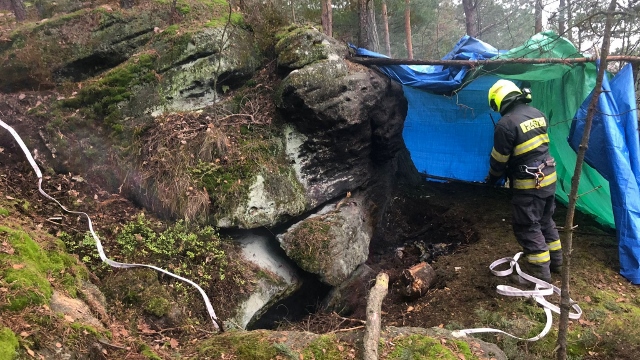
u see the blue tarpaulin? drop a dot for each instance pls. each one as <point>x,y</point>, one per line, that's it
<point>437,78</point>
<point>449,128</point>
<point>613,151</point>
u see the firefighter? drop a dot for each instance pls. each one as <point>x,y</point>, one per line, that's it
<point>521,154</point>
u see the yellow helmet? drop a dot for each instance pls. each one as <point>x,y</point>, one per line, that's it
<point>501,90</point>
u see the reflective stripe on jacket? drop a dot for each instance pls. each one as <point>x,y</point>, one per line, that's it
<point>520,138</point>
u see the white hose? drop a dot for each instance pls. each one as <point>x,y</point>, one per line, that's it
<point>104,258</point>
<point>541,290</point>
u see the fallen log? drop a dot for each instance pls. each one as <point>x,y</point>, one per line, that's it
<point>374,304</point>
<point>417,280</point>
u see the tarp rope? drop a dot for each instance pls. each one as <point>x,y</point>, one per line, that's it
<point>542,289</point>
<point>104,258</point>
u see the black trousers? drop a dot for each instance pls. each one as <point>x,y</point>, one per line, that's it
<point>534,228</point>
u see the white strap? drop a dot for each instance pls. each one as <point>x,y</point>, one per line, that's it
<point>104,258</point>
<point>541,290</point>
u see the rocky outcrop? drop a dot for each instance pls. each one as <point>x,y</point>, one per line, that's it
<point>345,120</point>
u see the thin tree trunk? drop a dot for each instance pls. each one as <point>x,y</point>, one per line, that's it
<point>293,12</point>
<point>569,21</point>
<point>375,39</point>
<point>470,8</point>
<point>538,16</point>
<point>19,10</point>
<point>407,27</point>
<point>561,18</point>
<point>327,18</point>
<point>385,21</point>
<point>567,243</point>
<point>374,317</point>
<point>365,26</point>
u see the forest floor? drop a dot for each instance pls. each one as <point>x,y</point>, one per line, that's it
<point>463,227</point>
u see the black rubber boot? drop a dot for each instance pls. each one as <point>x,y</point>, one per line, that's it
<point>556,261</point>
<point>541,271</point>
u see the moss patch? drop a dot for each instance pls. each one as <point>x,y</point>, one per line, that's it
<point>424,347</point>
<point>324,347</point>
<point>309,243</point>
<point>8,344</point>
<point>27,272</point>
<point>244,345</point>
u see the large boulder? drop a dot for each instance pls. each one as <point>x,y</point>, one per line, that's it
<point>331,243</point>
<point>345,120</point>
<point>277,279</point>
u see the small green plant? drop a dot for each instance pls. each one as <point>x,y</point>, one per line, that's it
<point>193,252</point>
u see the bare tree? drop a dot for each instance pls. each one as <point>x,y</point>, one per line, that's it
<point>569,21</point>
<point>366,36</point>
<point>567,240</point>
<point>538,15</point>
<point>19,10</point>
<point>407,28</point>
<point>561,17</point>
<point>385,21</point>
<point>471,16</point>
<point>327,17</point>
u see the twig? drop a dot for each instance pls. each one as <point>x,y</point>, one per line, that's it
<point>348,329</point>
<point>111,345</point>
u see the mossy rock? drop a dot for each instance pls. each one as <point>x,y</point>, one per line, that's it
<point>298,47</point>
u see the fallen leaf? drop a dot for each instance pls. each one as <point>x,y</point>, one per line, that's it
<point>69,318</point>
<point>24,334</point>
<point>410,308</point>
<point>587,299</point>
<point>17,266</point>
<point>173,343</point>
<point>58,345</point>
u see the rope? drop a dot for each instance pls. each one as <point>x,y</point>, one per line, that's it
<point>542,289</point>
<point>104,258</point>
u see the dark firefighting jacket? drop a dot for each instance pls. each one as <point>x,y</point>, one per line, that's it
<point>520,146</point>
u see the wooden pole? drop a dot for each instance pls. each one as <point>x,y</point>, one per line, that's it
<point>374,310</point>
<point>473,63</point>
<point>567,239</point>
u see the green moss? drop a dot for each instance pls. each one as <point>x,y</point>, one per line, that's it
<point>234,19</point>
<point>29,268</point>
<point>4,212</point>
<point>148,353</point>
<point>80,327</point>
<point>422,347</point>
<point>157,306</point>
<point>325,347</point>
<point>8,344</point>
<point>171,30</point>
<point>244,345</point>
